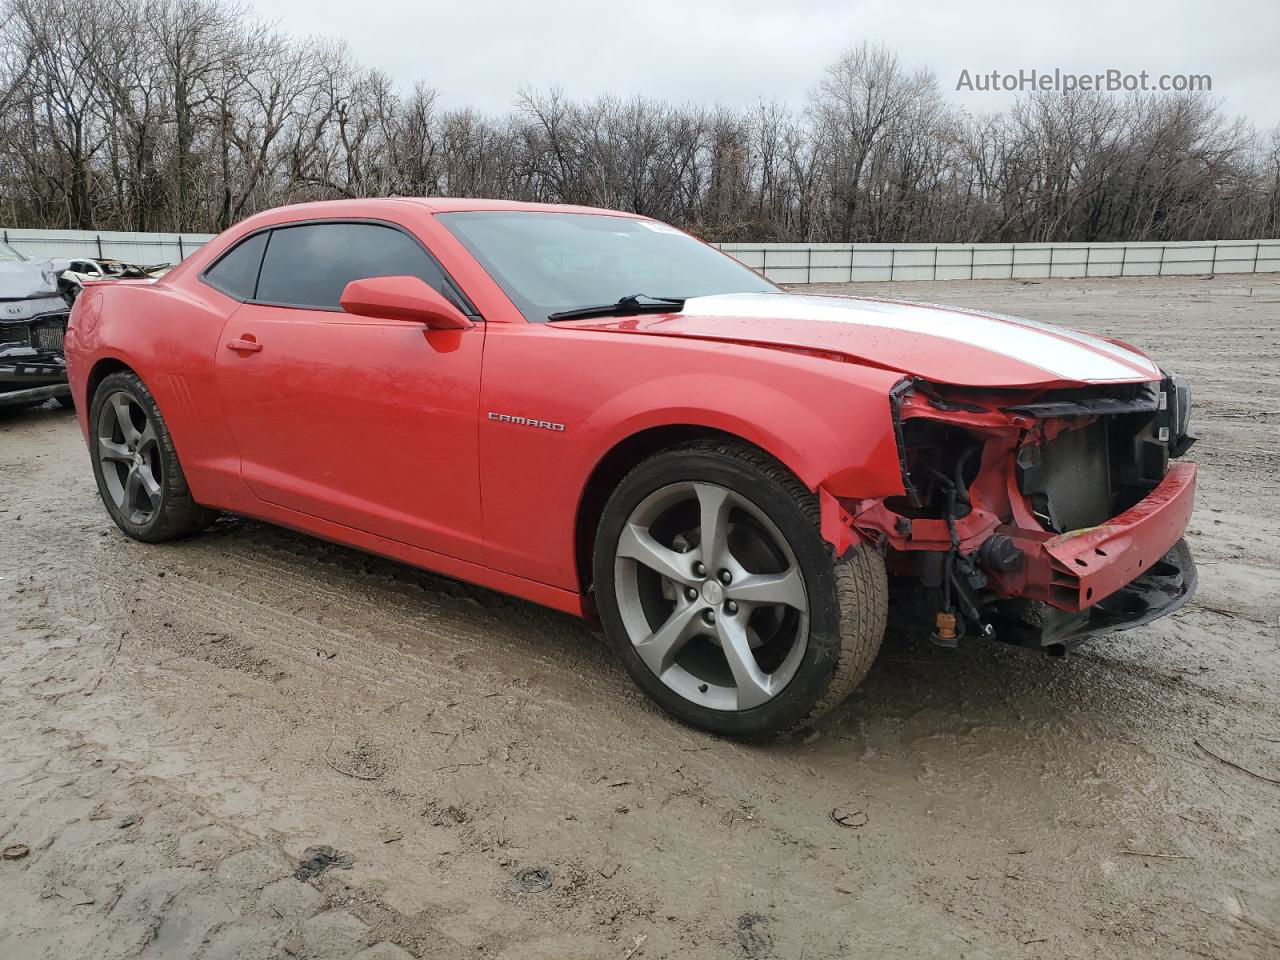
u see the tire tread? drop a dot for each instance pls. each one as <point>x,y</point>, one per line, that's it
<point>862,590</point>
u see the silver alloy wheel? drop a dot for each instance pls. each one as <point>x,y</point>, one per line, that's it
<point>129,455</point>
<point>711,596</point>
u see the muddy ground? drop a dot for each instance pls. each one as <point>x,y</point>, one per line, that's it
<point>179,724</point>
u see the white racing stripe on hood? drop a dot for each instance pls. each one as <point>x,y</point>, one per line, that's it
<point>1096,342</point>
<point>1065,353</point>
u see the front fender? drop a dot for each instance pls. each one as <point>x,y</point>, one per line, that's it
<point>845,444</point>
<point>828,421</point>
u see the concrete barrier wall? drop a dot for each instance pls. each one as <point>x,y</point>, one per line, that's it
<point>809,262</point>
<point>144,248</point>
<point>845,262</point>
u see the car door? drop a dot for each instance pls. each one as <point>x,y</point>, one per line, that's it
<point>363,422</point>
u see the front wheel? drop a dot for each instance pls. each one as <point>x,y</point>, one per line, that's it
<point>720,596</point>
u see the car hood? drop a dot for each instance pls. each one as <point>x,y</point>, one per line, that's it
<point>30,278</point>
<point>941,344</point>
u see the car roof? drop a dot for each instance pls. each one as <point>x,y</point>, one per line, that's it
<point>368,206</point>
<point>469,204</point>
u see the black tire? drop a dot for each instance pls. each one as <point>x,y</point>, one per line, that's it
<point>177,515</point>
<point>847,599</point>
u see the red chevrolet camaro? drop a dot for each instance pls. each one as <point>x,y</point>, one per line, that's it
<point>595,411</point>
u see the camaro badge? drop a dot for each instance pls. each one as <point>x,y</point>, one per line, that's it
<point>527,422</point>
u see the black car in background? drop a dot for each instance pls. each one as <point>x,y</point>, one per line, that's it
<point>34,305</point>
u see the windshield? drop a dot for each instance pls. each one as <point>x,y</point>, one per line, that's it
<point>10,255</point>
<point>556,262</point>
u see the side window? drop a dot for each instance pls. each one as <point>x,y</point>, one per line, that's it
<point>310,265</point>
<point>236,273</point>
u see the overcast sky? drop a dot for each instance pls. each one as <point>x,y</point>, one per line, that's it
<point>480,52</point>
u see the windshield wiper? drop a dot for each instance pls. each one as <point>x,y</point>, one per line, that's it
<point>626,307</point>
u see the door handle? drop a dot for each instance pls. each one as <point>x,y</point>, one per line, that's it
<point>245,344</point>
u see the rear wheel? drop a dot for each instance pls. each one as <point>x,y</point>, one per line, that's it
<point>721,597</point>
<point>136,466</point>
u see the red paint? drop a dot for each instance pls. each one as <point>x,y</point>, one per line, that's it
<point>1091,565</point>
<point>402,298</point>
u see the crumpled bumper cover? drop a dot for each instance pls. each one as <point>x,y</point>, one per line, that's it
<point>1074,571</point>
<point>27,374</point>
<point>9,398</point>
<point>1167,584</point>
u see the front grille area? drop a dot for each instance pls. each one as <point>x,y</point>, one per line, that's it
<point>46,333</point>
<point>15,334</point>
<point>49,333</point>
<point>1076,477</point>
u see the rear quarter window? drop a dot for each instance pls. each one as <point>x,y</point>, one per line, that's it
<point>236,272</point>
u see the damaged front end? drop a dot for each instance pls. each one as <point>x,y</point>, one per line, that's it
<point>33,324</point>
<point>1039,518</point>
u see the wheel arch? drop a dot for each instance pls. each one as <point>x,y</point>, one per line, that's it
<point>620,460</point>
<point>102,368</point>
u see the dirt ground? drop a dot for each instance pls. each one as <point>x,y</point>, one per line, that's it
<point>179,724</point>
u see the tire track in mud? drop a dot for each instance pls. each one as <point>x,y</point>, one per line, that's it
<point>477,837</point>
<point>382,609</point>
<point>216,609</point>
<point>219,608</point>
<point>164,876</point>
<point>358,629</point>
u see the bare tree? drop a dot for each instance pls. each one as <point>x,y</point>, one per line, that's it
<point>859,104</point>
<point>191,114</point>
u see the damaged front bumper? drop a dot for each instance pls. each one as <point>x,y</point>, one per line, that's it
<point>1165,586</point>
<point>1039,520</point>
<point>1075,570</point>
<point>29,376</point>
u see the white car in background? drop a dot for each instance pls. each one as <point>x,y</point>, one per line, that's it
<point>83,271</point>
